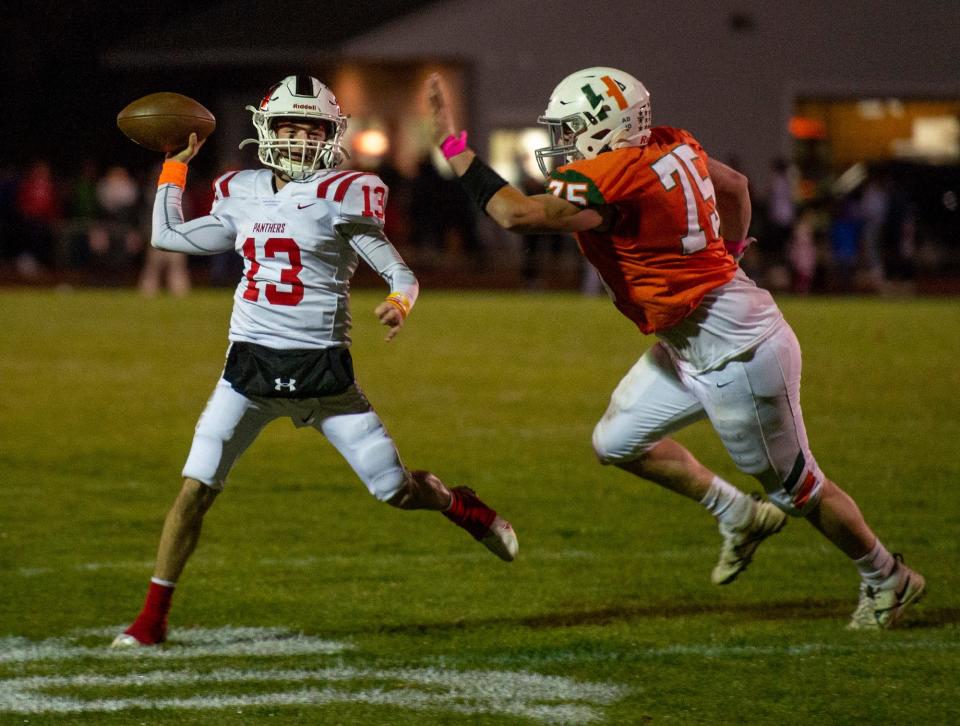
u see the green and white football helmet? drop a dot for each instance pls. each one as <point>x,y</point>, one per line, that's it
<point>591,111</point>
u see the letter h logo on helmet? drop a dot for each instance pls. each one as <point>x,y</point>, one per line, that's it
<point>285,384</point>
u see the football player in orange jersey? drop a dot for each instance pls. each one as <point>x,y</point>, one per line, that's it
<point>665,225</point>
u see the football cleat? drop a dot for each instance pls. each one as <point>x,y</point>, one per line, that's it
<point>125,640</point>
<point>502,540</point>
<point>139,635</point>
<point>862,618</point>
<point>882,607</point>
<point>483,523</point>
<point>740,543</point>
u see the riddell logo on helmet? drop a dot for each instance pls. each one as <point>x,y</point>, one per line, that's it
<point>305,106</point>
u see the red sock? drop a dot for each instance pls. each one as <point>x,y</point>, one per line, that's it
<point>150,627</point>
<point>467,511</point>
<point>455,510</point>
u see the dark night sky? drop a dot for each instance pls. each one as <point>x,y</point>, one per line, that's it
<point>52,79</point>
<point>61,99</point>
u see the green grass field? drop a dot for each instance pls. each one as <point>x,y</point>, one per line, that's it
<point>309,602</point>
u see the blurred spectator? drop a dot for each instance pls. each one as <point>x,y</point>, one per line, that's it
<point>38,206</point>
<point>439,208</point>
<point>114,244</point>
<point>426,229</point>
<point>903,221</point>
<point>118,194</point>
<point>84,215</point>
<point>164,268</point>
<point>875,210</point>
<point>900,232</point>
<point>845,231</point>
<point>780,214</point>
<point>802,253</point>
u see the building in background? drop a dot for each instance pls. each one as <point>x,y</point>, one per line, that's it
<point>839,90</point>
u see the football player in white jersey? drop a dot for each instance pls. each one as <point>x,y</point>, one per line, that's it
<point>301,227</point>
<point>664,225</point>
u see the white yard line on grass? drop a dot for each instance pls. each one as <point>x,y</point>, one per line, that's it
<point>198,643</point>
<point>519,694</point>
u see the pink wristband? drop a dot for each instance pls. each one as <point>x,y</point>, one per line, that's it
<point>736,249</point>
<point>454,144</point>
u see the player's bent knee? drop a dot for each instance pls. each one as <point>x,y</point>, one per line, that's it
<point>782,499</point>
<point>615,447</point>
<point>799,492</point>
<point>206,462</point>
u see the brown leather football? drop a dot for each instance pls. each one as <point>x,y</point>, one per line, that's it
<point>164,121</point>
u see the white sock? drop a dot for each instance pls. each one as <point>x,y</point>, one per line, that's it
<point>877,565</point>
<point>164,583</point>
<point>728,504</point>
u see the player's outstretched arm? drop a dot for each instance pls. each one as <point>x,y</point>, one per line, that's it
<point>504,203</point>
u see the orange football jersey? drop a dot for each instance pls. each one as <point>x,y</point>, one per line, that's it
<point>664,252</point>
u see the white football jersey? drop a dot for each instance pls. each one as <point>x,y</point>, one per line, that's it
<point>300,247</point>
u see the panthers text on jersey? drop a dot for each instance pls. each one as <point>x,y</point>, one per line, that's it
<point>300,246</point>
<point>664,252</point>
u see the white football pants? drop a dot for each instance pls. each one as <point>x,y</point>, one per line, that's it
<point>231,421</point>
<point>753,403</point>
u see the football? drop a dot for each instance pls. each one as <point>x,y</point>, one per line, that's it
<point>164,121</point>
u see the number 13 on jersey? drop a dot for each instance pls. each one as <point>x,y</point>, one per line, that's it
<point>290,290</point>
<point>679,165</point>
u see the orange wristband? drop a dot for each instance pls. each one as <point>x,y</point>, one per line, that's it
<point>401,301</point>
<point>173,172</point>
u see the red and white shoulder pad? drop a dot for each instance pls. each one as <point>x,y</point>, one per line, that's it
<point>233,184</point>
<point>361,196</point>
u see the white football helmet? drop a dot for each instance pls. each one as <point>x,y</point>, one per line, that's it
<point>594,110</point>
<point>307,99</point>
